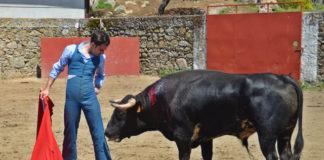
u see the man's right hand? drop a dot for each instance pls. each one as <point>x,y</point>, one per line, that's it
<point>44,93</point>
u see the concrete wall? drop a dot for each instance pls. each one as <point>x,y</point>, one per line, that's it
<point>42,9</point>
<point>312,66</point>
<point>309,44</point>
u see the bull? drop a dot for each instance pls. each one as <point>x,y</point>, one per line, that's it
<point>193,107</point>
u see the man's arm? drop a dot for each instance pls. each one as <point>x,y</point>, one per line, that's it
<point>58,67</point>
<point>45,91</point>
<point>100,74</point>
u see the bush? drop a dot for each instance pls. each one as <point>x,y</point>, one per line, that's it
<point>102,5</point>
<point>307,4</point>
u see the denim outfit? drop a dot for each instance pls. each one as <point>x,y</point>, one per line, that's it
<point>80,94</point>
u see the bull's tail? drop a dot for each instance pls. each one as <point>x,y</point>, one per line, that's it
<point>299,142</point>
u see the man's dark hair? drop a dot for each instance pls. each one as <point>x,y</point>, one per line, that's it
<point>100,37</point>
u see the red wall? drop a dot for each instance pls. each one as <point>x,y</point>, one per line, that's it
<point>122,55</point>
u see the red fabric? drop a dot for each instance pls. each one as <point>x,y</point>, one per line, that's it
<point>41,111</point>
<point>46,147</point>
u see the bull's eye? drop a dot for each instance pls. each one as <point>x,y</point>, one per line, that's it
<point>120,116</point>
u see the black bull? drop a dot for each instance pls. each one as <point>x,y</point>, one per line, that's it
<point>193,107</point>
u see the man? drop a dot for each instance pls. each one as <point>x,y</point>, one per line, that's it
<point>84,61</point>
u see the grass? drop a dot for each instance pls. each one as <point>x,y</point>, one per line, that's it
<point>316,7</point>
<point>166,72</point>
<point>102,5</point>
<point>224,11</point>
<point>280,9</point>
<point>307,86</point>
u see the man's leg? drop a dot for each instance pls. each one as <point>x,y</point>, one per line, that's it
<point>93,116</point>
<point>72,112</point>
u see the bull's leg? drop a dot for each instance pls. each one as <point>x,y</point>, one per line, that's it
<point>162,6</point>
<point>207,150</point>
<point>284,147</point>
<point>267,144</point>
<point>183,142</point>
<point>184,149</point>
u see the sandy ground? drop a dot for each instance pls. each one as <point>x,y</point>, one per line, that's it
<point>18,116</point>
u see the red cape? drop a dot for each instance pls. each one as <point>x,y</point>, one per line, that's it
<point>46,147</point>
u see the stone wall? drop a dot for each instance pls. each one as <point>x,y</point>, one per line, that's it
<point>320,51</point>
<point>165,42</point>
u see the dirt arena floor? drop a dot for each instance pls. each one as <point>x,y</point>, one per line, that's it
<point>18,116</point>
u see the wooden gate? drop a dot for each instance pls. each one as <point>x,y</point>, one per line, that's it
<point>255,43</point>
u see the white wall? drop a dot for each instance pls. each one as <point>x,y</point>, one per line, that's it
<point>309,68</point>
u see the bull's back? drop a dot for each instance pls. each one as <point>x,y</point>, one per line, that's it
<point>205,98</point>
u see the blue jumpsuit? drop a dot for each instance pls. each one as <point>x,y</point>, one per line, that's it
<point>80,94</point>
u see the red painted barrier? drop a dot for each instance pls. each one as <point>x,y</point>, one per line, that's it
<point>255,43</point>
<point>122,55</point>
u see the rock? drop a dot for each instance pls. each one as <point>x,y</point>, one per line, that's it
<point>183,43</point>
<point>12,45</point>
<point>94,3</point>
<point>65,32</point>
<point>145,3</point>
<point>150,45</point>
<point>161,44</point>
<point>2,44</point>
<point>182,30</point>
<point>35,33</point>
<point>182,63</point>
<point>128,11</point>
<point>120,9</point>
<point>32,44</point>
<point>174,42</point>
<point>155,54</point>
<point>130,2</point>
<point>17,62</point>
<point>169,30</point>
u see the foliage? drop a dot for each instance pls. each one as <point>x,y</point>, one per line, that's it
<point>102,5</point>
<point>307,4</point>
<point>280,9</point>
<point>307,86</point>
<point>166,72</point>
<point>316,7</point>
<point>224,11</point>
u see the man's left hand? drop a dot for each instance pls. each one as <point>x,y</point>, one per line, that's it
<point>97,90</point>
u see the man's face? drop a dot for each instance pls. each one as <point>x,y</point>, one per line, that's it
<point>97,50</point>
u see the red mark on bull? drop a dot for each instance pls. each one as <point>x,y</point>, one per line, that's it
<point>152,95</point>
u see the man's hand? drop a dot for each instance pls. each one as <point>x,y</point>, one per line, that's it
<point>44,92</point>
<point>97,90</point>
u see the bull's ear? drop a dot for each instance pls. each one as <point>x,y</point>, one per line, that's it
<point>139,108</point>
<point>131,102</point>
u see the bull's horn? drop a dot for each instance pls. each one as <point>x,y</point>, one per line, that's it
<point>115,101</point>
<point>131,102</point>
